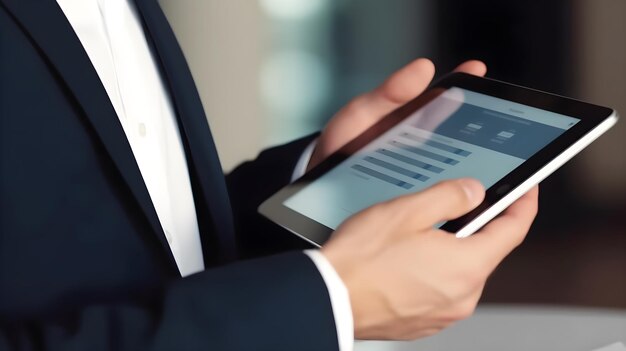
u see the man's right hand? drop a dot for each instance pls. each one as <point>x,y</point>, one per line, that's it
<point>407,280</point>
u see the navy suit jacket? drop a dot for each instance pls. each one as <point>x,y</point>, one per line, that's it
<point>84,264</point>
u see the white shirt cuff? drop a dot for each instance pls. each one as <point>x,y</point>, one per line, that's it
<point>339,300</point>
<point>303,161</point>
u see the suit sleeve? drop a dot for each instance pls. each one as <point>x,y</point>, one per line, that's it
<point>253,182</point>
<point>275,303</point>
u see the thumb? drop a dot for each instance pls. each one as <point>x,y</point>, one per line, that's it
<point>443,201</point>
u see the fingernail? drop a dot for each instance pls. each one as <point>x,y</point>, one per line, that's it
<point>474,190</point>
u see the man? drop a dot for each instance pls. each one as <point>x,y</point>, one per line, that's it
<point>117,231</point>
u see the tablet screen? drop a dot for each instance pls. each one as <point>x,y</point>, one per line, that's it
<point>459,133</point>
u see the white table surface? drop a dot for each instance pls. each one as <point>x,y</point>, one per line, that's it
<point>521,327</point>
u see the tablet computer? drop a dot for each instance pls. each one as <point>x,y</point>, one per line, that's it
<point>506,136</point>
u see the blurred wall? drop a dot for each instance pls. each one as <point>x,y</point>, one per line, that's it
<point>224,42</point>
<point>269,71</point>
<point>601,78</point>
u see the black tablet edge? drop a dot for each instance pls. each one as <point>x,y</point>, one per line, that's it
<point>590,116</point>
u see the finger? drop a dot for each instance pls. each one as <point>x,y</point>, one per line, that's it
<point>500,236</point>
<point>475,67</point>
<point>367,109</point>
<point>402,86</point>
<point>405,84</point>
<point>443,201</point>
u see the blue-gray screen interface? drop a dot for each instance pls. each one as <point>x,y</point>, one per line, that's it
<point>458,134</point>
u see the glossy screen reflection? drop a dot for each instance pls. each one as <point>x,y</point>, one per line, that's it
<point>459,133</point>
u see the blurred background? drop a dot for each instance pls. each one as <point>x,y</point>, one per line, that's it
<point>270,71</point>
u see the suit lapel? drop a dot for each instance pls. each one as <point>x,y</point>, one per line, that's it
<point>47,26</point>
<point>209,186</point>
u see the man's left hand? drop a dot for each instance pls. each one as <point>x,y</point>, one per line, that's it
<point>367,109</point>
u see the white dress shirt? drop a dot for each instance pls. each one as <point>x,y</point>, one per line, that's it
<point>113,38</point>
